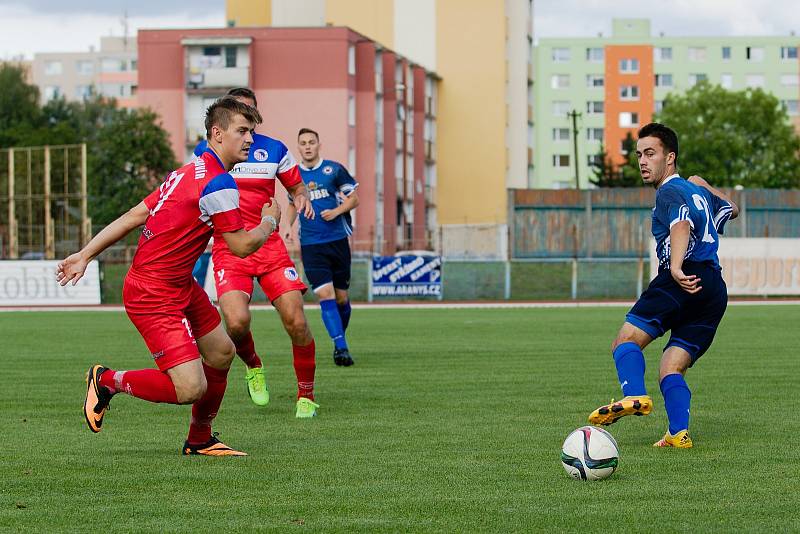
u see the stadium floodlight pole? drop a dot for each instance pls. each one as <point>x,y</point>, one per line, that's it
<point>574,114</point>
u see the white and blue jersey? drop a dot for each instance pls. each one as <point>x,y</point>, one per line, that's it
<point>680,200</point>
<point>324,185</point>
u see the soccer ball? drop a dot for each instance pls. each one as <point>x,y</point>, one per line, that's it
<point>590,453</point>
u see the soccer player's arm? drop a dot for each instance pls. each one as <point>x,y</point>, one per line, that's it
<point>219,202</point>
<point>289,175</point>
<point>287,220</point>
<point>680,228</point>
<point>724,208</point>
<point>72,268</point>
<point>347,193</point>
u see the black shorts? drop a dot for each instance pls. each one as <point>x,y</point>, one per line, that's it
<point>692,319</point>
<point>326,263</point>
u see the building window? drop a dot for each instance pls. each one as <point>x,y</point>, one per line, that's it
<point>694,79</point>
<point>697,53</point>
<point>629,66</point>
<point>622,149</point>
<point>115,65</point>
<point>559,81</point>
<point>51,92</point>
<point>726,81</point>
<point>628,119</point>
<point>594,107</point>
<point>595,55</point>
<point>560,134</point>
<point>663,80</point>
<point>560,55</point>
<point>595,80</point>
<point>658,106</point>
<point>755,53</point>
<point>560,108</point>
<point>754,80</point>
<point>351,60</point>
<point>789,80</point>
<point>212,50</point>
<point>82,92</point>
<point>594,134</point>
<point>593,160</point>
<point>791,107</point>
<point>726,53</point>
<point>662,53</point>
<point>53,68</point>
<point>629,92</point>
<point>134,64</point>
<point>351,110</point>
<point>560,160</point>
<point>230,57</point>
<point>85,68</point>
<point>788,52</point>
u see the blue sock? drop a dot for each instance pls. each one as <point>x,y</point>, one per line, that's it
<point>333,322</point>
<point>344,313</point>
<point>629,360</point>
<point>677,399</point>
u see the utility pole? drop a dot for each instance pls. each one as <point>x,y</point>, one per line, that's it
<point>574,116</point>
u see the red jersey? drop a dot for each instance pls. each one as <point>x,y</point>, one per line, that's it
<point>268,159</point>
<point>185,210</point>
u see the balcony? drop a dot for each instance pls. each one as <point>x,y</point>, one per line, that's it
<point>217,78</point>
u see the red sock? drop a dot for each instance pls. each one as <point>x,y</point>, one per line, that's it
<point>148,384</point>
<point>205,410</point>
<point>246,349</point>
<point>304,366</point>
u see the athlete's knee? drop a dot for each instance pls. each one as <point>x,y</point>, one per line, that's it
<point>238,324</point>
<point>297,328</point>
<point>341,298</point>
<point>190,389</point>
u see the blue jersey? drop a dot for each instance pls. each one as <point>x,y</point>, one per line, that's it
<point>325,183</point>
<point>680,200</point>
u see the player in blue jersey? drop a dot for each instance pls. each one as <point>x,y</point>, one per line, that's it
<point>687,297</point>
<point>323,238</point>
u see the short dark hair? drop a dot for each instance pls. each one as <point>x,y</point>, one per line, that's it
<point>307,130</point>
<point>221,113</point>
<point>666,135</point>
<point>244,92</point>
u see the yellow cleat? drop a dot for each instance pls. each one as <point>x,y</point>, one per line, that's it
<point>681,440</point>
<point>306,408</point>
<point>611,413</point>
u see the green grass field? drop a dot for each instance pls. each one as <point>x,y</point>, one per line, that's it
<point>451,421</point>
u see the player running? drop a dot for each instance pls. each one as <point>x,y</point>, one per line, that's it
<point>323,237</point>
<point>271,266</point>
<point>688,297</point>
<point>171,311</point>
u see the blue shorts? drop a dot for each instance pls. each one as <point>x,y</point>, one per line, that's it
<point>326,263</point>
<point>692,319</point>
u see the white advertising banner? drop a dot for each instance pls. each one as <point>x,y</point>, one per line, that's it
<point>756,266</point>
<point>33,283</point>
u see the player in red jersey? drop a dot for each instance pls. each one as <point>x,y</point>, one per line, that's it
<point>170,310</point>
<point>269,159</point>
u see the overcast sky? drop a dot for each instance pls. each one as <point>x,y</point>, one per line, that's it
<point>30,26</point>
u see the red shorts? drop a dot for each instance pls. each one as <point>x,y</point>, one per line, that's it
<point>169,318</point>
<point>271,265</point>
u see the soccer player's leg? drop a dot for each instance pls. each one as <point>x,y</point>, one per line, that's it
<point>340,271</point>
<point>689,340</point>
<point>157,315</point>
<point>285,290</point>
<point>317,266</point>
<point>649,318</point>
<point>218,351</point>
<point>234,290</point>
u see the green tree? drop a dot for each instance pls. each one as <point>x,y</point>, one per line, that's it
<point>607,174</point>
<point>19,105</point>
<point>130,156</point>
<point>734,137</point>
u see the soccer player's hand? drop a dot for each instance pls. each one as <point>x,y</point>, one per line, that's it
<point>271,208</point>
<point>303,206</point>
<point>71,269</point>
<point>329,215</point>
<point>688,282</point>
